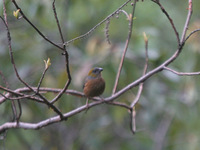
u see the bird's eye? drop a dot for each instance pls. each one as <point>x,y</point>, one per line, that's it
<point>95,71</point>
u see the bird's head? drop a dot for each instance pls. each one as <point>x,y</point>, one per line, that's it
<point>95,72</point>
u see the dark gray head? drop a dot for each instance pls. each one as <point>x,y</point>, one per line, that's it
<point>95,72</point>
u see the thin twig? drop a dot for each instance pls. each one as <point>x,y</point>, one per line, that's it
<point>10,50</point>
<point>107,31</point>
<point>187,20</point>
<point>19,92</point>
<point>136,100</point>
<point>41,79</point>
<point>16,71</point>
<point>20,110</point>
<point>191,34</point>
<point>144,72</point>
<point>132,120</point>
<point>57,21</point>
<point>170,20</point>
<point>125,13</point>
<point>119,104</point>
<point>14,110</point>
<point>4,79</point>
<point>11,97</point>
<point>182,73</point>
<point>67,83</point>
<point>46,122</point>
<point>66,58</point>
<point>125,48</point>
<point>157,69</point>
<point>55,119</point>
<point>96,26</point>
<point>39,32</point>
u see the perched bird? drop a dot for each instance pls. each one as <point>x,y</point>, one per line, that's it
<point>94,84</point>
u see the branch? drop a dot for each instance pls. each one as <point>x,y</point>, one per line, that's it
<point>17,93</point>
<point>46,122</point>
<point>136,100</point>
<point>182,73</point>
<point>66,58</point>
<point>20,111</point>
<point>16,71</point>
<point>57,22</point>
<point>191,34</point>
<point>125,49</point>
<point>169,18</point>
<point>187,20</point>
<point>144,72</point>
<point>38,31</point>
<point>3,78</point>
<point>96,26</point>
<point>47,64</point>
<point>119,104</point>
<point>68,82</point>
<point>97,101</point>
<point>15,117</point>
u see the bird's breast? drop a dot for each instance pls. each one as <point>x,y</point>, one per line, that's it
<point>94,87</point>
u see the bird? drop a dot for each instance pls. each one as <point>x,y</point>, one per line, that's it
<point>94,84</point>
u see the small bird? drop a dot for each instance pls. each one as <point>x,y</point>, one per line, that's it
<point>94,84</point>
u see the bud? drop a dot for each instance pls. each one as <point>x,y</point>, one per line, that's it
<point>16,13</point>
<point>47,63</point>
<point>145,37</point>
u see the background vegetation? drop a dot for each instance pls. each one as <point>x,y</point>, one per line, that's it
<point>169,108</point>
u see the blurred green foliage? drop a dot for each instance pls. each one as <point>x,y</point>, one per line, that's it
<point>168,102</point>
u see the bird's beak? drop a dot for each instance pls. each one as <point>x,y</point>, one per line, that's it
<point>100,69</point>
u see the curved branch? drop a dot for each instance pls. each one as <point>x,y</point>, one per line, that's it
<point>98,101</point>
<point>169,18</point>
<point>191,34</point>
<point>38,31</point>
<point>182,73</point>
<point>125,48</point>
<point>96,26</point>
<point>187,20</point>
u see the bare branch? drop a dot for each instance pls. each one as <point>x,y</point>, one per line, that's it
<point>20,91</point>
<point>48,121</point>
<point>66,58</point>
<point>18,94</point>
<point>170,20</point>
<point>125,49</point>
<point>119,104</point>
<point>20,111</point>
<point>132,120</point>
<point>14,110</point>
<point>69,79</point>
<point>39,32</point>
<point>182,73</point>
<point>144,72</point>
<point>135,101</point>
<point>191,34</point>
<point>187,20</point>
<point>107,31</point>
<point>96,26</point>
<point>16,71</point>
<point>41,79</point>
<point>4,79</point>
<point>57,22</point>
